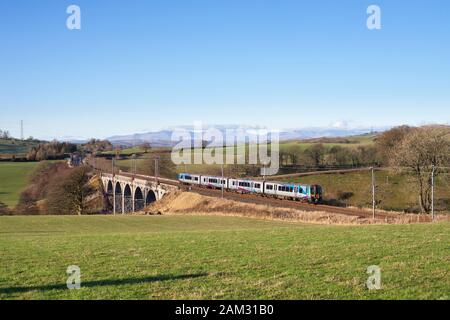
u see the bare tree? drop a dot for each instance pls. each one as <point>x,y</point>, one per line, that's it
<point>146,147</point>
<point>387,142</point>
<point>68,194</point>
<point>420,150</point>
<point>316,153</point>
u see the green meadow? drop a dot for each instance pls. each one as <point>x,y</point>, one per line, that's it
<point>13,179</point>
<point>206,257</point>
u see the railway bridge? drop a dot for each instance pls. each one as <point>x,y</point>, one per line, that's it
<point>131,193</point>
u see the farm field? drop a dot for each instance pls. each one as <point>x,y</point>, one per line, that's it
<point>13,179</point>
<point>207,257</point>
<point>10,146</point>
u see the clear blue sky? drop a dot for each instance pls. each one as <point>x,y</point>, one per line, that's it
<point>144,65</point>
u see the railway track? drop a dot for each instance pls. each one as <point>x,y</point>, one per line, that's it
<point>275,202</point>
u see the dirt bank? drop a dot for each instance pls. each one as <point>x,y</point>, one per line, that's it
<point>180,203</point>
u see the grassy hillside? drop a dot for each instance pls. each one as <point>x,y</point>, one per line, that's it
<point>12,146</point>
<point>190,257</point>
<point>13,179</point>
<point>349,142</point>
<point>396,192</point>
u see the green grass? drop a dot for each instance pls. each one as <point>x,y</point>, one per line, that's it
<point>13,179</point>
<point>190,257</point>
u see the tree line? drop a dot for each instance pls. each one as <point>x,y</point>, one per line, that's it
<point>59,150</point>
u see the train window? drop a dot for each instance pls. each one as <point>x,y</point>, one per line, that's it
<point>257,185</point>
<point>268,187</point>
<point>196,178</point>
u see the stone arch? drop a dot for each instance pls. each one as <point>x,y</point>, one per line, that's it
<point>118,196</point>
<point>109,187</point>
<point>138,199</point>
<point>151,197</point>
<point>128,198</point>
<point>109,193</point>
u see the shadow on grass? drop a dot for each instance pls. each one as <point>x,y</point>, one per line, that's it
<point>100,283</point>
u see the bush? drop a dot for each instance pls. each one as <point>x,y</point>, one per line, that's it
<point>67,195</point>
<point>4,210</point>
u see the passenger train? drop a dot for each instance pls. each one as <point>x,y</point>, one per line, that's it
<point>298,192</point>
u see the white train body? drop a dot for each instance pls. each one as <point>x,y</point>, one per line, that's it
<point>301,192</point>
<point>284,190</point>
<point>246,186</point>
<point>213,182</point>
<point>189,178</point>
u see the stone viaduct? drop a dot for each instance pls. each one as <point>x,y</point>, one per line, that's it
<point>131,193</point>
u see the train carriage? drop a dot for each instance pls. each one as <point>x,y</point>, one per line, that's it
<point>246,186</point>
<point>310,193</point>
<point>214,182</point>
<point>189,178</point>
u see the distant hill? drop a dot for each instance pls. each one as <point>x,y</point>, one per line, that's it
<point>163,138</point>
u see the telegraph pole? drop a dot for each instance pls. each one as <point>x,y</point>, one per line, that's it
<point>156,170</point>
<point>21,130</point>
<point>114,186</point>
<point>432,193</point>
<point>222,182</point>
<point>373,194</point>
<point>133,164</point>
<point>264,171</point>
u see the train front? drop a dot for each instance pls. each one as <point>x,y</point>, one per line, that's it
<point>316,193</point>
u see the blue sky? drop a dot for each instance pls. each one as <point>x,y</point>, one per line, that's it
<point>144,65</point>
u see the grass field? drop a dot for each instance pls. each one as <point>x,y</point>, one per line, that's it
<point>13,179</point>
<point>193,257</point>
